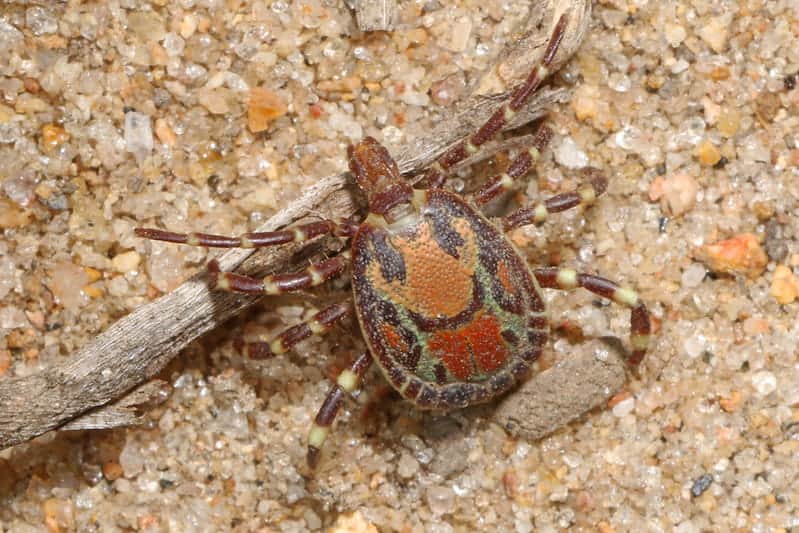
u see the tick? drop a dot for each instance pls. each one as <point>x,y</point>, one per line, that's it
<point>451,313</point>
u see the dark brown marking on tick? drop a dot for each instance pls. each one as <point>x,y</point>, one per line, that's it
<point>392,265</point>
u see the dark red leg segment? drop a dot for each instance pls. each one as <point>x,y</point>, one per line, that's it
<point>518,168</point>
<point>504,114</point>
<point>300,233</point>
<point>312,276</point>
<point>640,327</point>
<point>319,324</point>
<point>347,382</point>
<point>537,214</point>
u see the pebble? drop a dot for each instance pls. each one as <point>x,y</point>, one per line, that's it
<point>12,317</point>
<point>352,523</point>
<point>742,254</point>
<point>675,34</point>
<point>53,136</point>
<point>584,102</point>
<point>693,275</point>
<point>716,32</point>
<point>126,261</point>
<point>624,407</point>
<point>460,32</point>
<point>570,155</point>
<point>146,25</point>
<point>732,402</point>
<point>445,92</point>
<point>407,466</point>
<point>112,470</point>
<point>216,100</point>
<point>701,485</point>
<point>131,459</point>
<point>41,21</point>
<point>8,276</point>
<point>694,345</point>
<point>59,515</point>
<point>764,382</point>
<point>138,135</point>
<point>677,193</point>
<point>11,216</point>
<point>441,500</point>
<point>66,283</point>
<point>784,285</point>
<point>707,153</point>
<point>728,122</point>
<point>164,133</point>
<point>263,107</point>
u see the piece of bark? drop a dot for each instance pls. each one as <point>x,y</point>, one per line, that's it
<point>561,394</point>
<point>128,411</point>
<point>138,346</point>
<point>376,15</point>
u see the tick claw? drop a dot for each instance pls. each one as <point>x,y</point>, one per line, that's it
<point>313,457</point>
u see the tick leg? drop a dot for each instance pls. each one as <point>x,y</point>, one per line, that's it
<point>584,195</point>
<point>314,275</point>
<point>346,382</point>
<point>504,114</point>
<point>319,324</point>
<point>301,233</point>
<point>518,168</point>
<point>640,327</point>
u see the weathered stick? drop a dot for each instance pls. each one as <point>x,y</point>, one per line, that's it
<point>93,382</point>
<point>376,15</point>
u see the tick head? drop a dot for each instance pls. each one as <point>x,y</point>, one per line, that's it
<point>378,176</point>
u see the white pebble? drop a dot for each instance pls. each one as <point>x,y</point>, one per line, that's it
<point>13,318</point>
<point>569,154</point>
<point>441,500</point>
<point>138,135</point>
<point>694,346</point>
<point>693,275</point>
<point>624,407</point>
<point>407,466</point>
<point>674,33</point>
<point>764,382</point>
<point>131,459</point>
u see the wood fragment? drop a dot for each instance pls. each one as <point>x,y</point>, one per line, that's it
<point>101,375</point>
<point>561,394</point>
<point>376,15</point>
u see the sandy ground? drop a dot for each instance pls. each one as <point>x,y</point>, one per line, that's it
<point>126,113</point>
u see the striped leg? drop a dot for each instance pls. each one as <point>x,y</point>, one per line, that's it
<point>319,324</point>
<point>504,114</point>
<point>346,383</point>
<point>314,275</point>
<point>537,214</point>
<point>518,168</point>
<point>301,233</point>
<point>640,327</point>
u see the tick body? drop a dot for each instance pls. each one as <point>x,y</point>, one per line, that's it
<point>451,313</point>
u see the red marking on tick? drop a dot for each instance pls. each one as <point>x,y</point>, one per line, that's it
<point>393,338</point>
<point>479,342</point>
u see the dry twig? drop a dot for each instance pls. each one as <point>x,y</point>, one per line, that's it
<point>376,15</point>
<point>100,385</point>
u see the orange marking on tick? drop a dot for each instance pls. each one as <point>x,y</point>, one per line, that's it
<point>504,277</point>
<point>436,284</point>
